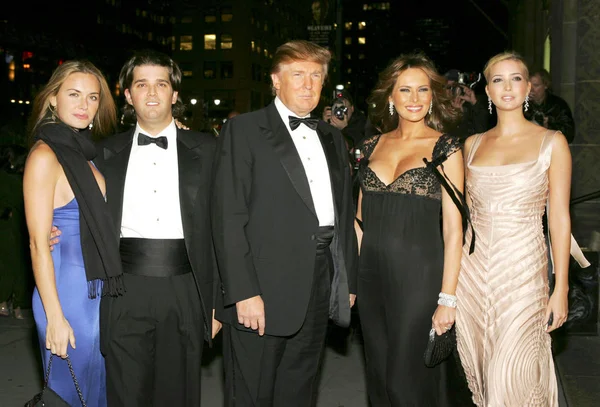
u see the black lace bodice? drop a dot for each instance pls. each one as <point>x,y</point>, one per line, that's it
<point>417,181</point>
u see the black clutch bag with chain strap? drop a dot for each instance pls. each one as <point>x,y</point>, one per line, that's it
<point>48,397</point>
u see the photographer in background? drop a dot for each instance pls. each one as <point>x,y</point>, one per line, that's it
<point>350,121</point>
<point>475,117</point>
<point>547,109</point>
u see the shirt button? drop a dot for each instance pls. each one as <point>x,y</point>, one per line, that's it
<point>311,181</point>
<point>157,219</point>
<point>155,191</point>
<point>154,163</point>
<point>304,137</point>
<point>308,158</point>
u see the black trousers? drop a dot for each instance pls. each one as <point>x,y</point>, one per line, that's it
<point>153,343</point>
<point>272,371</point>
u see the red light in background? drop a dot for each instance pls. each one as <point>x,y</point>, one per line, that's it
<point>26,55</point>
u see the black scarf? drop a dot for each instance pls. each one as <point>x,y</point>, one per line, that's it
<point>100,251</point>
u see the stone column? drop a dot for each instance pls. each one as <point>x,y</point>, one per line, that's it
<point>584,50</point>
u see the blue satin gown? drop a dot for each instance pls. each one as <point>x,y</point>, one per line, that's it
<point>81,312</point>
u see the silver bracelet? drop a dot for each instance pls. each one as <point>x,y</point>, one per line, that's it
<point>447,300</point>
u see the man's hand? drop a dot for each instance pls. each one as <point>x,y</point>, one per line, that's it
<point>216,325</point>
<point>251,313</point>
<point>339,124</point>
<point>54,234</point>
<point>352,300</point>
<point>468,95</point>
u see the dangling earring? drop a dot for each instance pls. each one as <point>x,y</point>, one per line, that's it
<point>91,125</point>
<point>490,104</point>
<point>526,102</point>
<point>53,112</point>
<point>391,108</point>
<point>431,106</point>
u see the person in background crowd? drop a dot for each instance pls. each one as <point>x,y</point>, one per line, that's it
<point>408,268</point>
<point>547,109</point>
<point>352,122</point>
<point>475,117</point>
<point>14,268</point>
<point>63,187</point>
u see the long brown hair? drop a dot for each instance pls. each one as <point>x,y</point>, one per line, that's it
<point>104,122</point>
<point>443,114</point>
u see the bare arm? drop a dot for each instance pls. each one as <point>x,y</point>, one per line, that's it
<point>359,232</point>
<point>559,223</point>
<point>452,235</point>
<point>42,172</point>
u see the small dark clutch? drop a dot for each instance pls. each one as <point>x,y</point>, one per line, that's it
<point>439,348</point>
<point>48,397</point>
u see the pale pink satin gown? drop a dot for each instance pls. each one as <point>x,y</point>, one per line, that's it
<point>503,289</point>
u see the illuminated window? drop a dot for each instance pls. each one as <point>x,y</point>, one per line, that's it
<point>362,25</point>
<point>185,43</point>
<point>210,41</point>
<point>226,15</point>
<point>226,41</point>
<point>266,53</point>
<point>171,40</point>
<point>362,40</point>
<point>252,45</point>
<point>226,70</point>
<point>348,56</point>
<point>348,25</point>
<point>210,70</point>
<point>188,73</point>
<point>210,18</point>
<point>349,70</point>
<point>348,40</point>
<point>186,20</point>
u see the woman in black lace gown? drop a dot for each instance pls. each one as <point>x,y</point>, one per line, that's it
<point>405,260</point>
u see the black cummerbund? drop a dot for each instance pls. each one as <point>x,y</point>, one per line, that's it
<point>154,257</point>
<point>324,236</point>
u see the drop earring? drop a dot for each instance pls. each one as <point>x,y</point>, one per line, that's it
<point>490,104</point>
<point>527,103</point>
<point>91,125</point>
<point>391,108</point>
<point>53,112</point>
<point>431,106</point>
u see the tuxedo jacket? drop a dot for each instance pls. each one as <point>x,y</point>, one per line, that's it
<point>195,155</point>
<point>264,222</point>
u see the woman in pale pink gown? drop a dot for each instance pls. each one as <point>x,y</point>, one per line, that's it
<point>504,309</point>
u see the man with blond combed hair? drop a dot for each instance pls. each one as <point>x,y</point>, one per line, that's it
<point>283,230</point>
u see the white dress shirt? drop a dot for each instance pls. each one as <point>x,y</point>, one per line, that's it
<point>151,198</point>
<point>313,159</point>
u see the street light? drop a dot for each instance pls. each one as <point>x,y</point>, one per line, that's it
<point>217,102</point>
<point>193,101</point>
<point>339,87</point>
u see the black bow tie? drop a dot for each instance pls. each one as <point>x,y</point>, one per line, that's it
<point>309,121</point>
<point>144,140</point>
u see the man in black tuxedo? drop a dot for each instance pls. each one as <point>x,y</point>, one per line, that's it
<point>284,237</point>
<point>158,186</point>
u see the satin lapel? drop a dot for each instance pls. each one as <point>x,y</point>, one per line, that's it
<point>333,162</point>
<point>280,139</point>
<point>116,158</point>
<point>190,176</point>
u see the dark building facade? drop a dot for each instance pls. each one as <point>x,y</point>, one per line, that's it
<point>34,43</point>
<point>225,49</point>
